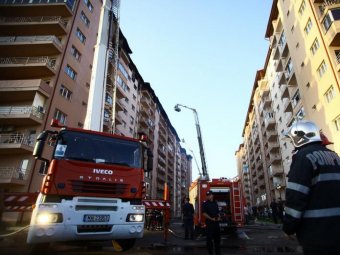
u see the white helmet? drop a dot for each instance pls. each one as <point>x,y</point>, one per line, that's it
<point>303,132</point>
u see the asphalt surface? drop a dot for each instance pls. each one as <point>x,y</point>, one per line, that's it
<point>258,238</point>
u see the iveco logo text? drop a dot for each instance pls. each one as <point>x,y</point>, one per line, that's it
<point>102,171</point>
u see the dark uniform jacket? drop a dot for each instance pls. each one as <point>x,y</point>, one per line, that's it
<point>210,208</point>
<point>188,211</point>
<point>313,198</point>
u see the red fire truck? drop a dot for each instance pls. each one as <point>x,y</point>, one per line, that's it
<point>227,193</point>
<point>93,188</point>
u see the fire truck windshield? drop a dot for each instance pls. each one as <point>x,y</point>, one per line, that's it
<point>71,145</point>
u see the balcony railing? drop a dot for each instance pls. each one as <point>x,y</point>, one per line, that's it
<point>31,39</point>
<point>21,110</point>
<point>29,60</point>
<point>38,19</point>
<point>10,173</point>
<point>69,3</point>
<point>17,138</point>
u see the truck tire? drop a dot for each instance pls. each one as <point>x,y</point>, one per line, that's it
<point>125,244</point>
<point>38,248</point>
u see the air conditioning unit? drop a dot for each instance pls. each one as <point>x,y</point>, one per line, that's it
<point>41,109</point>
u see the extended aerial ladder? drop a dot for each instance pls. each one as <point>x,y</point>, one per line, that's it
<point>204,175</point>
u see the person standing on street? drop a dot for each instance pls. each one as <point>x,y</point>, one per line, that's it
<point>212,219</point>
<point>188,219</point>
<point>312,208</point>
<point>273,206</point>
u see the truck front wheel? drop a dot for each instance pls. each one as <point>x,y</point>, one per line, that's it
<point>123,244</point>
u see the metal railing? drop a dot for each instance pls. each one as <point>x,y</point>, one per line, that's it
<point>29,60</point>
<point>69,3</point>
<point>15,110</point>
<point>31,39</point>
<point>13,173</point>
<point>41,19</point>
<point>17,138</point>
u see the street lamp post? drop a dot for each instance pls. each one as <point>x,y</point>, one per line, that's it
<point>199,137</point>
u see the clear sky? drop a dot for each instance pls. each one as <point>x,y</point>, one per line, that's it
<point>203,54</point>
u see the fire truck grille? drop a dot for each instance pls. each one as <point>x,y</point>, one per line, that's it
<point>93,228</point>
<point>99,188</point>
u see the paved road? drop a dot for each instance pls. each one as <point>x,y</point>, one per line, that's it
<point>253,239</point>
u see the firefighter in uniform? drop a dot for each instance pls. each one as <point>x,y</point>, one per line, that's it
<point>211,214</point>
<point>312,209</point>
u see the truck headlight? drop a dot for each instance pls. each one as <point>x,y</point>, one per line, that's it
<point>135,218</point>
<point>47,218</point>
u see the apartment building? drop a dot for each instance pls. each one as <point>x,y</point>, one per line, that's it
<point>300,80</point>
<point>46,57</point>
<point>171,166</point>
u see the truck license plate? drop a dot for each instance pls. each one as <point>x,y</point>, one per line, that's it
<point>96,218</point>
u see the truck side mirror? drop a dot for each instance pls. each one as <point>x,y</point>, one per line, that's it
<point>39,146</point>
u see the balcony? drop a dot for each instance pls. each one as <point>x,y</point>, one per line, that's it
<point>291,78</point>
<point>29,46</point>
<point>287,105</point>
<point>21,115</point>
<point>284,91</point>
<point>16,143</point>
<point>118,119</point>
<point>14,68</point>
<point>119,92</point>
<point>275,158</point>
<point>273,147</point>
<point>267,102</point>
<point>272,136</point>
<point>145,102</point>
<point>22,90</point>
<point>36,8</point>
<point>270,123</point>
<point>40,25</point>
<point>277,170</point>
<point>332,36</point>
<point>13,175</point>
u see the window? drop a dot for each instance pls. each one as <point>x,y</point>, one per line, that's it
<point>60,116</point>
<point>132,120</point>
<point>124,123</point>
<point>330,94</point>
<point>296,98</point>
<point>315,46</point>
<point>84,19</point>
<point>131,130</point>
<point>133,107</point>
<point>322,69</point>
<point>302,7</point>
<point>125,111</point>
<point>122,84</point>
<point>81,36</point>
<point>327,22</point>
<point>64,92</point>
<point>134,97</point>
<point>89,5</point>
<point>126,100</point>
<point>336,122</point>
<point>70,72</point>
<point>108,99</point>
<point>123,71</point>
<point>308,26</point>
<point>75,53</point>
<point>282,39</point>
<point>289,69</point>
<point>300,114</point>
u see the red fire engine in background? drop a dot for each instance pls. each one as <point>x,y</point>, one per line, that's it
<point>227,194</point>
